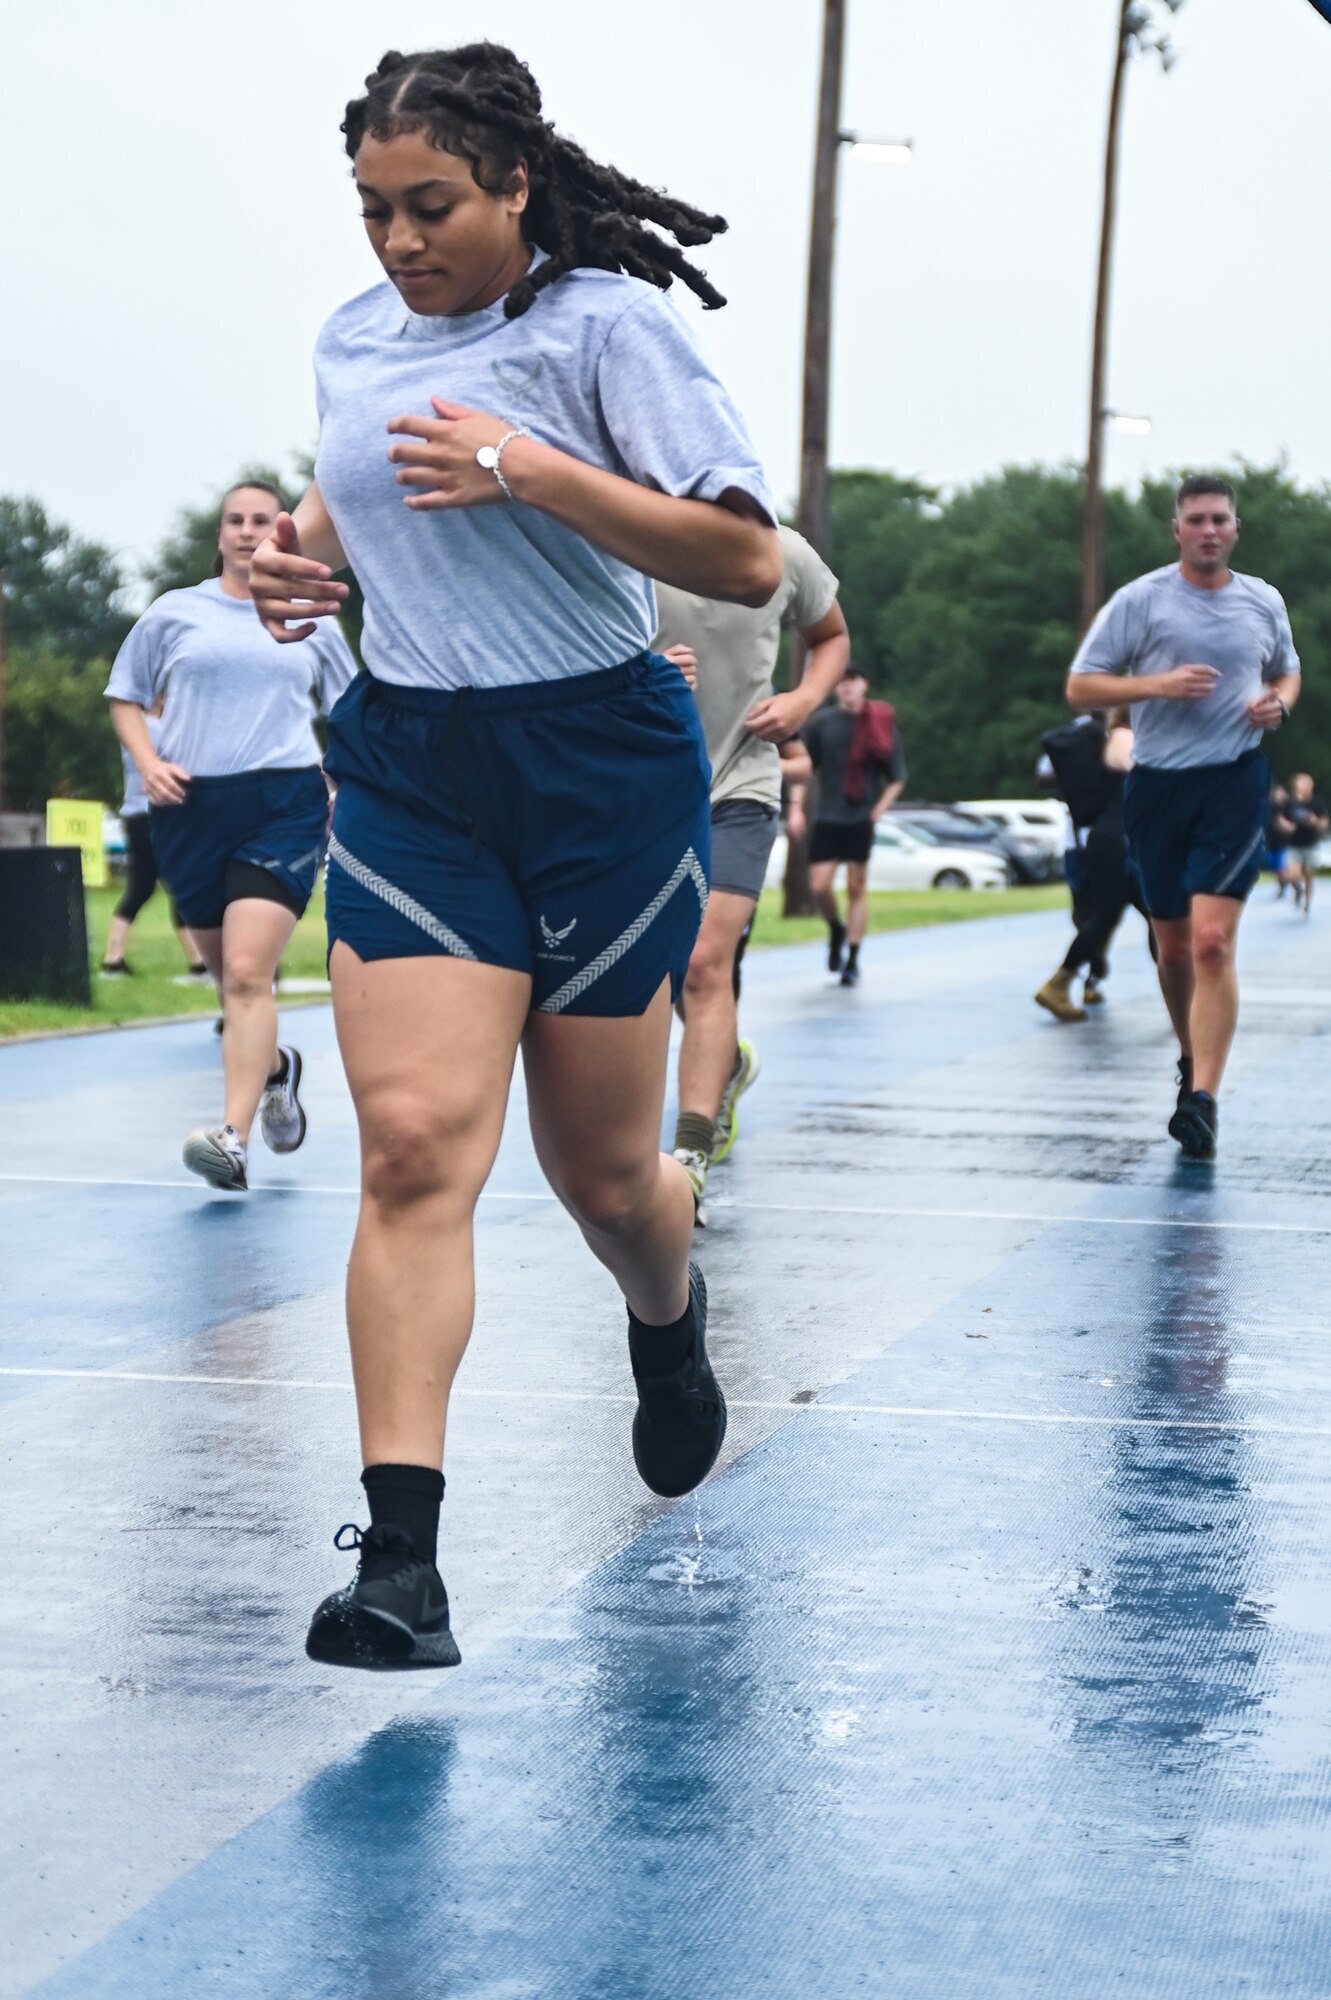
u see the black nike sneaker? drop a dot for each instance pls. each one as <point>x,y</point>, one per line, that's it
<point>836,945</point>
<point>394,1615</point>
<point>680,1422</point>
<point>1195,1124</point>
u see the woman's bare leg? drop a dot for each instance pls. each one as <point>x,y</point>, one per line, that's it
<point>595,1093</point>
<point>242,956</point>
<point>429,1046</point>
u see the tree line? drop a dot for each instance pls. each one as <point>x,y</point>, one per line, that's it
<point>962,607</point>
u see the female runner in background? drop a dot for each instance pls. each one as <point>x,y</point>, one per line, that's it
<point>238,808</point>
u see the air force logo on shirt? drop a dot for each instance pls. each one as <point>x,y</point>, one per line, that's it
<point>517,379</point>
<point>551,938</point>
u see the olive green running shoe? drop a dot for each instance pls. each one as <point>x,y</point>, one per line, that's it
<point>748,1062</point>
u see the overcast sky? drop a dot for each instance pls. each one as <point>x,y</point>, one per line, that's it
<point>179,221</point>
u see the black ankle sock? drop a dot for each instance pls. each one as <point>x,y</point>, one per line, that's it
<point>409,1496</point>
<point>660,1350</point>
<point>852,954</point>
<point>1185,1071</point>
<point>279,1075</point>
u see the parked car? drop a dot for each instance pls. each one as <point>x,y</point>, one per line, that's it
<point>904,859</point>
<point>1042,820</point>
<point>1027,859</point>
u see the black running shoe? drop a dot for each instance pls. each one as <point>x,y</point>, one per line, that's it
<point>394,1615</point>
<point>851,975</point>
<point>836,944</point>
<point>1195,1124</point>
<point>680,1423</point>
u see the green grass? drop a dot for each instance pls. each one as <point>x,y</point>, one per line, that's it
<point>907,909</point>
<point>152,993</point>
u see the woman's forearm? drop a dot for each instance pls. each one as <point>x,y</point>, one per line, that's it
<point>131,726</point>
<point>702,546</point>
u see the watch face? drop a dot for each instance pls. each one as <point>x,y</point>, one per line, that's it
<point>488,457</point>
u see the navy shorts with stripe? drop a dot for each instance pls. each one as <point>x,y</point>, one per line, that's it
<point>1200,831</point>
<point>558,828</point>
<point>273,821</point>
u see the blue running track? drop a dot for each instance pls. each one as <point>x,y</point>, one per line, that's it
<point>994,1663</point>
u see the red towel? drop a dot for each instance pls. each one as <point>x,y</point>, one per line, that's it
<point>872,743</point>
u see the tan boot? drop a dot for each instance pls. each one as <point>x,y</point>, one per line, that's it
<point>1056,995</point>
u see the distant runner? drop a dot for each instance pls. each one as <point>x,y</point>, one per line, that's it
<point>856,751</point>
<point>1308,820</point>
<point>1206,659</point>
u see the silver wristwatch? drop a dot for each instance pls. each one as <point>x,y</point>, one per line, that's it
<point>489,455</point>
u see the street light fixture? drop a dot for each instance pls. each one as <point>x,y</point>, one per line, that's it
<point>1126,426</point>
<point>879,152</point>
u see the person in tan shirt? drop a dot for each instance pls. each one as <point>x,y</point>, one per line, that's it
<point>729,652</point>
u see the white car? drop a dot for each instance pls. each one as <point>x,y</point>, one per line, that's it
<point>907,860</point>
<point>1044,820</point>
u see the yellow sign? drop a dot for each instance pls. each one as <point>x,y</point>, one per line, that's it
<point>78,823</point>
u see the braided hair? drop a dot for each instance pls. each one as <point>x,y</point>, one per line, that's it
<point>484,106</point>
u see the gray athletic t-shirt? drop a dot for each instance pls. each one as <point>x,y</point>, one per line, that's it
<point>1161,621</point>
<point>236,700</point>
<point>737,648</point>
<point>602,367</point>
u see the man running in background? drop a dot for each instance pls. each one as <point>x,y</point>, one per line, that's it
<point>1308,822</point>
<point>1206,659</point>
<point>729,652</point>
<point>856,752</point>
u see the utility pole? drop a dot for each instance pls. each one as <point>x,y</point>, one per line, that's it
<point>1135,31</point>
<point>811,518</point>
<point>811,511</point>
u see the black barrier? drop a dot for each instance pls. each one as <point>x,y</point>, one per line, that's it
<point>43,930</point>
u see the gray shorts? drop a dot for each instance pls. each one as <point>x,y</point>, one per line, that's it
<point>743,833</point>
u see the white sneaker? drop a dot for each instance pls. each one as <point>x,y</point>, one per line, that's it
<point>281,1119</point>
<point>695,1166</point>
<point>218,1157</point>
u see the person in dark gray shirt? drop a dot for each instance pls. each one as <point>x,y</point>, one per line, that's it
<point>1206,659</point>
<point>856,752</point>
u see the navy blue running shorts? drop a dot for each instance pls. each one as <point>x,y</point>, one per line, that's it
<point>1200,831</point>
<point>558,828</point>
<point>253,834</point>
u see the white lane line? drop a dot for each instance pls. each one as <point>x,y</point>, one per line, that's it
<point>1072,1218</point>
<point>1125,1421</point>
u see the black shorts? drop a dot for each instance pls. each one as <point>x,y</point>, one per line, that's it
<point>1200,831</point>
<point>835,840</point>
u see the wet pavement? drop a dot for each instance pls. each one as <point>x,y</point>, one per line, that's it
<point>995,1662</point>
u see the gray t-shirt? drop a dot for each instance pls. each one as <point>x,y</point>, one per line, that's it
<point>828,737</point>
<point>737,648</point>
<point>236,700</point>
<point>1161,621</point>
<point>601,366</point>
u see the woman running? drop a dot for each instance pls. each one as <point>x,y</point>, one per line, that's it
<point>142,873</point>
<point>517,431</point>
<point>238,808</point>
